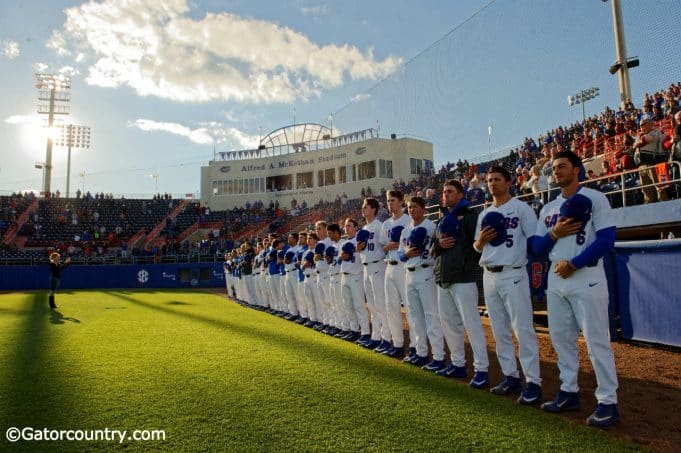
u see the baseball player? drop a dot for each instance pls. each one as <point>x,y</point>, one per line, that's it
<point>414,251</point>
<point>274,276</point>
<point>290,281</point>
<point>577,229</point>
<point>373,262</point>
<point>352,286</point>
<point>322,267</point>
<point>247,272</point>
<point>455,264</point>
<point>300,291</point>
<point>395,291</point>
<point>336,299</point>
<point>310,283</point>
<point>503,245</point>
<point>257,280</point>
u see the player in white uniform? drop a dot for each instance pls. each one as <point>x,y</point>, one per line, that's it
<point>300,277</point>
<point>373,262</point>
<point>257,280</point>
<point>352,287</point>
<point>340,319</point>
<point>395,289</point>
<point>577,293</point>
<point>507,288</point>
<point>322,268</point>
<point>291,277</point>
<point>421,292</point>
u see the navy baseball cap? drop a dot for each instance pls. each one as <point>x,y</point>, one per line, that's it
<point>395,233</point>
<point>450,226</point>
<point>273,254</point>
<point>418,237</point>
<point>330,251</point>
<point>319,248</point>
<point>280,254</point>
<point>349,248</point>
<point>363,235</point>
<point>309,257</point>
<point>577,207</point>
<point>289,255</point>
<point>495,220</point>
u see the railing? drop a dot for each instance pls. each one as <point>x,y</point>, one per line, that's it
<point>623,177</point>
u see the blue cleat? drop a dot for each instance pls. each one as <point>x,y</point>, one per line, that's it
<point>410,356</point>
<point>394,352</point>
<point>531,396</point>
<point>508,386</point>
<point>434,365</point>
<point>605,415</point>
<point>419,361</point>
<point>382,346</point>
<point>453,371</point>
<point>565,401</point>
<point>363,339</point>
<point>480,380</point>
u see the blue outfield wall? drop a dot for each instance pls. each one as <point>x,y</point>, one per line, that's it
<point>186,275</point>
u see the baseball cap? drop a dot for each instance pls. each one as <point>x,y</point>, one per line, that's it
<point>577,207</point>
<point>289,255</point>
<point>363,235</point>
<point>450,226</point>
<point>418,237</point>
<point>395,233</point>
<point>319,248</point>
<point>330,251</point>
<point>495,220</point>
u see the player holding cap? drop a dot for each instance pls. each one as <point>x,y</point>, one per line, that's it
<point>372,255</point>
<point>577,229</point>
<point>352,286</point>
<point>455,264</point>
<point>420,285</point>
<point>395,291</point>
<point>502,232</point>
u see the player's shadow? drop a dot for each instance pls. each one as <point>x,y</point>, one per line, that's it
<point>177,302</point>
<point>57,317</point>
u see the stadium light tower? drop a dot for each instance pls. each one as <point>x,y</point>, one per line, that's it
<point>582,97</point>
<point>72,136</point>
<point>622,65</point>
<point>55,90</point>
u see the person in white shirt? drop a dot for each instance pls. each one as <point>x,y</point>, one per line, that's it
<point>341,321</point>
<point>420,286</point>
<point>352,286</point>
<point>373,262</point>
<point>507,288</point>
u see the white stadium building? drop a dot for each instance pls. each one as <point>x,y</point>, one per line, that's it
<point>308,163</point>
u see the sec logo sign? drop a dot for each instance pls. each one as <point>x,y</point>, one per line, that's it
<point>142,276</point>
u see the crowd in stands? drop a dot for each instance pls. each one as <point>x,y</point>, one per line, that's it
<point>101,225</point>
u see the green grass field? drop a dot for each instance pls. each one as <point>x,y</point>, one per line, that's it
<point>219,377</point>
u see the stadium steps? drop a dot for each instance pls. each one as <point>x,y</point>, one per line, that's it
<point>11,234</point>
<point>149,239</point>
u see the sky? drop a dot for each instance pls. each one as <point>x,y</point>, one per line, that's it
<point>164,84</point>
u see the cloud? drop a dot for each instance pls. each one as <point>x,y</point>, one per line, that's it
<point>58,43</point>
<point>10,49</point>
<point>314,10</point>
<point>40,67</point>
<point>207,133</point>
<point>157,49</point>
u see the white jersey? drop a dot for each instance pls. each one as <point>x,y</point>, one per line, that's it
<point>568,247</point>
<point>354,266</point>
<point>292,265</point>
<point>373,250</point>
<point>521,223</point>
<point>424,259</point>
<point>321,266</point>
<point>334,267</point>
<point>391,222</point>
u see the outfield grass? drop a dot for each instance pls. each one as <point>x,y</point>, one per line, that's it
<point>219,377</point>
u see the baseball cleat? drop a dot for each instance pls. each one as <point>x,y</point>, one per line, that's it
<point>605,415</point>
<point>508,386</point>
<point>341,333</point>
<point>452,371</point>
<point>565,401</point>
<point>418,360</point>
<point>363,339</point>
<point>480,380</point>
<point>301,320</point>
<point>531,395</point>
<point>371,344</point>
<point>410,356</point>
<point>382,346</point>
<point>396,352</point>
<point>434,365</point>
<point>352,336</point>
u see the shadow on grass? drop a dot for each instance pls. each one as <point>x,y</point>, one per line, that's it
<point>31,393</point>
<point>177,302</point>
<point>56,317</point>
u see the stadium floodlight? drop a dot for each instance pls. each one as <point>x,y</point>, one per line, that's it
<point>72,136</point>
<point>582,97</point>
<point>54,88</point>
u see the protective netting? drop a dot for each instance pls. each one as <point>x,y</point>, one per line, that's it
<point>511,66</point>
